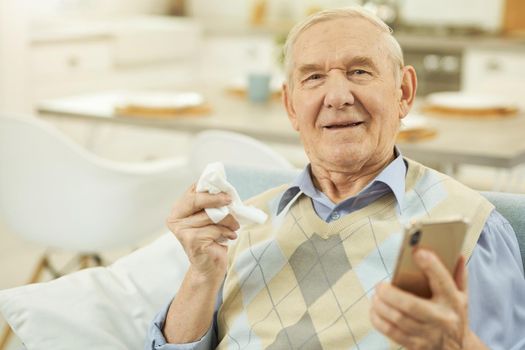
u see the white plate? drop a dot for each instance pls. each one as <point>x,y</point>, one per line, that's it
<point>414,121</point>
<point>168,100</point>
<point>467,101</point>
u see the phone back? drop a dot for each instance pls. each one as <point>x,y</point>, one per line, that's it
<point>445,238</point>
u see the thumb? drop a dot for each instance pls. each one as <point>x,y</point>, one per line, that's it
<point>461,274</point>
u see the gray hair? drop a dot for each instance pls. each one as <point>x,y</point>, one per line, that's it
<point>395,51</point>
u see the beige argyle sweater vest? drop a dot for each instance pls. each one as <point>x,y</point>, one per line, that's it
<point>297,282</point>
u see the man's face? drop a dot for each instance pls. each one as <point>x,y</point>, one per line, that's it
<point>343,96</point>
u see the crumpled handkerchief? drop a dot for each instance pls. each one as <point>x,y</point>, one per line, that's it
<point>213,180</point>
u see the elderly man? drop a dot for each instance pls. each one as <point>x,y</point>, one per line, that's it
<point>315,275</point>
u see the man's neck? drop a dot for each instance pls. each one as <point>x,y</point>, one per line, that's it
<point>339,185</point>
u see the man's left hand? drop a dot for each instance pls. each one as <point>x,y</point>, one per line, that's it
<point>440,322</point>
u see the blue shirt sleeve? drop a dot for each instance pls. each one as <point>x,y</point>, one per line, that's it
<point>155,338</point>
<point>497,287</point>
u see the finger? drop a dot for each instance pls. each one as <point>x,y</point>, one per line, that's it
<point>221,233</point>
<point>403,321</point>
<point>388,329</point>
<point>461,275</point>
<point>202,219</point>
<point>418,308</point>
<point>192,202</point>
<point>230,222</point>
<point>199,219</point>
<point>417,341</point>
<point>441,282</point>
<point>197,237</point>
<point>222,240</point>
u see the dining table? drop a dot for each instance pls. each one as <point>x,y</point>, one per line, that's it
<point>497,141</point>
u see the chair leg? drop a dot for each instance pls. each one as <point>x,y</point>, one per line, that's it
<point>83,261</point>
<point>90,260</point>
<point>40,267</point>
<point>6,334</point>
<point>97,259</point>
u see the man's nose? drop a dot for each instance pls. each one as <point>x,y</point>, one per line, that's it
<point>338,94</point>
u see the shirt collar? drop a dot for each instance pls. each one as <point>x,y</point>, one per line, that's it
<point>393,176</point>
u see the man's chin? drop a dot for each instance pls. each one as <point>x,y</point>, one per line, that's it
<point>342,161</point>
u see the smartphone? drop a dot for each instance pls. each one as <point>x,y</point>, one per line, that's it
<point>444,237</point>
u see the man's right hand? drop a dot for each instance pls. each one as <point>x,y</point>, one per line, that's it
<point>191,312</point>
<point>200,237</point>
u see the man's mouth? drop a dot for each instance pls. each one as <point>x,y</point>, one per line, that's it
<point>342,125</point>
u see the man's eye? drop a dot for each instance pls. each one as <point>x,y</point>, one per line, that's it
<point>314,77</point>
<point>358,72</point>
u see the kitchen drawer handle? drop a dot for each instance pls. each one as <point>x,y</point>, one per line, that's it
<point>493,65</point>
<point>73,61</point>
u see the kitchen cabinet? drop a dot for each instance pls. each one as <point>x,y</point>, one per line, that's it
<point>129,53</point>
<point>485,15</point>
<point>72,59</point>
<point>144,52</point>
<point>495,71</point>
<point>475,62</point>
<point>437,70</point>
<point>229,59</point>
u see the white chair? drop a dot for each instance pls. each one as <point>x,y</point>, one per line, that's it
<point>233,149</point>
<point>60,196</point>
<point>55,193</point>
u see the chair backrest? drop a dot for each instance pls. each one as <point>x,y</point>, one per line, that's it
<point>234,149</point>
<point>512,207</point>
<point>57,194</point>
<point>250,181</point>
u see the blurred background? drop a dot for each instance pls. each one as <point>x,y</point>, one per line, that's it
<point>136,80</point>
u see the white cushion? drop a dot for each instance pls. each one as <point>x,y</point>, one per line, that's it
<point>98,308</point>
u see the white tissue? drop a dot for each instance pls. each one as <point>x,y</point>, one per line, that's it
<point>213,180</point>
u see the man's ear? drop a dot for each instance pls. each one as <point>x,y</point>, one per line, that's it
<point>287,101</point>
<point>408,90</point>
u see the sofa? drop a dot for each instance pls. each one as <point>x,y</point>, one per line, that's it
<point>111,307</point>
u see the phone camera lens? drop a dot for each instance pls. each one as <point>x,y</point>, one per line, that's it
<point>414,239</point>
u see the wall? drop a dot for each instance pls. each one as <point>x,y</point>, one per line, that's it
<point>13,47</point>
<point>82,8</point>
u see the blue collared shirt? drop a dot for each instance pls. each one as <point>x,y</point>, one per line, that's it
<point>391,179</point>
<point>495,270</point>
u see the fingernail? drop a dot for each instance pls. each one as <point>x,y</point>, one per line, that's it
<point>423,255</point>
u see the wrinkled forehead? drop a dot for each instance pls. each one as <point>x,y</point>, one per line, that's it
<point>338,39</point>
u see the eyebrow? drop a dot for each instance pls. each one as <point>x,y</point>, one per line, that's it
<point>355,61</point>
<point>363,61</point>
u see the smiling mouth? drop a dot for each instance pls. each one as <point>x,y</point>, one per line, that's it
<point>343,126</point>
